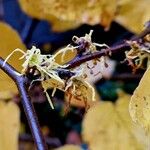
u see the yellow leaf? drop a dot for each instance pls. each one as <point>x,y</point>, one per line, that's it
<point>109,126</point>
<point>61,26</point>
<point>39,9</point>
<point>95,120</point>
<point>70,14</point>
<point>122,105</point>
<point>10,40</point>
<point>133,14</point>
<point>69,147</point>
<point>9,125</point>
<point>140,103</point>
<point>122,109</point>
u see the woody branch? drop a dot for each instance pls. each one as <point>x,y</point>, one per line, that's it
<point>23,84</point>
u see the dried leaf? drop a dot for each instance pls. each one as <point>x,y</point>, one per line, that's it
<point>9,125</point>
<point>80,101</point>
<point>109,126</point>
<point>78,91</point>
<point>10,40</point>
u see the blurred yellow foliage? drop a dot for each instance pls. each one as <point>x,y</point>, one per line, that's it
<point>70,14</point>
<point>9,125</point>
<point>133,14</point>
<point>109,126</point>
<point>64,15</point>
<point>69,147</point>
<point>140,103</point>
<point>10,40</point>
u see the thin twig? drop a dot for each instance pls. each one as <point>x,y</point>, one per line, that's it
<point>22,84</point>
<point>79,60</point>
<point>126,77</point>
<point>51,142</point>
<point>1,10</point>
<point>9,70</point>
<point>122,47</point>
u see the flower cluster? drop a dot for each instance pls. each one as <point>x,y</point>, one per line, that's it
<point>50,73</point>
<point>139,55</point>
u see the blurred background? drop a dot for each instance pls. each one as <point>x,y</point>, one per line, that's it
<point>26,23</point>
